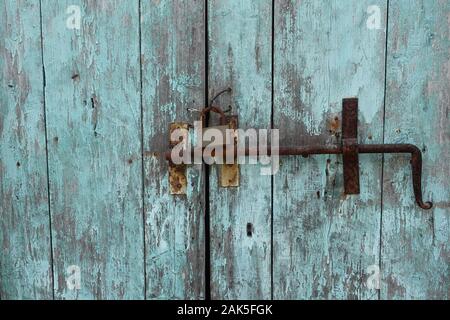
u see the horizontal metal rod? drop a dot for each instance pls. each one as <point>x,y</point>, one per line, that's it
<point>305,151</point>
<point>313,150</point>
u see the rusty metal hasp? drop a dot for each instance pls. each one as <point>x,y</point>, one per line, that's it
<point>229,172</point>
<point>348,148</point>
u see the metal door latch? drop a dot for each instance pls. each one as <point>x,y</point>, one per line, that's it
<point>229,173</point>
<point>349,149</point>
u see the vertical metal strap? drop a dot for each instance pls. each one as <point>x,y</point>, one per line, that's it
<point>177,173</point>
<point>229,173</point>
<point>350,145</point>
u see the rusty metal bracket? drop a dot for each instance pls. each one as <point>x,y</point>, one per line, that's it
<point>177,172</point>
<point>350,154</point>
<point>229,173</point>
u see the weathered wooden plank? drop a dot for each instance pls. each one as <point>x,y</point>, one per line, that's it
<point>415,243</point>
<point>94,146</point>
<point>323,241</point>
<point>25,260</point>
<point>173,72</point>
<point>240,35</point>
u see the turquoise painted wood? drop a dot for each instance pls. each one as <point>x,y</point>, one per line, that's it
<point>84,116</point>
<point>25,259</point>
<point>239,40</point>
<point>416,244</point>
<point>324,241</point>
<point>92,97</point>
<point>173,79</point>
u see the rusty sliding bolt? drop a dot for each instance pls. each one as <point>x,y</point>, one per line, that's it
<point>350,149</point>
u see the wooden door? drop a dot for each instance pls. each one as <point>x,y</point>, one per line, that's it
<point>88,90</point>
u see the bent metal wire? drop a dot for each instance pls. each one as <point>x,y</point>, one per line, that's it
<point>349,148</point>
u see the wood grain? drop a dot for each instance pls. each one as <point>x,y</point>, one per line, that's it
<point>94,147</point>
<point>173,72</point>
<point>415,243</point>
<point>25,260</point>
<point>324,241</point>
<point>105,94</point>
<point>239,41</point>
